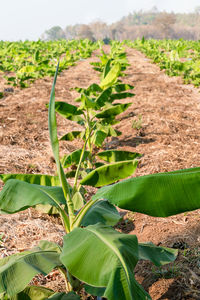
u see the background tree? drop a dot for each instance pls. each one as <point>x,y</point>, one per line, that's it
<point>165,22</point>
<point>100,30</point>
<point>85,32</point>
<point>54,33</point>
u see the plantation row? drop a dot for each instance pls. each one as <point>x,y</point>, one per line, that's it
<point>94,257</point>
<point>24,62</point>
<point>177,58</point>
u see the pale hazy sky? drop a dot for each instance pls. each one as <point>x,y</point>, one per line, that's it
<point>28,19</point>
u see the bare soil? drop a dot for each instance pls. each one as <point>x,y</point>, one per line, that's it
<point>163,124</point>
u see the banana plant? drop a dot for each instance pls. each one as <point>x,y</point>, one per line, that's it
<point>96,114</point>
<point>117,55</point>
<point>31,60</point>
<point>106,270</point>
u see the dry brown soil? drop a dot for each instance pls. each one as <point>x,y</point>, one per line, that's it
<point>168,136</point>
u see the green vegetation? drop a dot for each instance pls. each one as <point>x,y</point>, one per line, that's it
<point>96,114</point>
<point>94,256</point>
<point>24,62</point>
<point>177,58</point>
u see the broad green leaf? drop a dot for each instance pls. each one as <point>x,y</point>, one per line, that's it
<point>33,293</point>
<point>122,87</point>
<point>36,55</point>
<point>70,136</point>
<point>117,155</point>
<point>27,69</point>
<point>111,77</point>
<point>69,111</point>
<point>105,258</point>
<point>110,173</point>
<point>87,102</point>
<point>108,129</point>
<point>157,255</point>
<point>104,97</point>
<point>158,195</point>
<point>107,68</point>
<point>70,174</point>
<point>95,291</point>
<point>113,111</point>
<point>78,201</point>
<point>113,132</point>
<point>18,195</point>
<point>64,296</point>
<point>119,96</point>
<point>101,212</point>
<point>94,88</point>
<point>40,179</point>
<point>73,158</point>
<point>46,209</point>
<point>17,270</point>
<point>98,138</point>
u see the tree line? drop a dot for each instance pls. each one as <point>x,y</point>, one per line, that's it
<point>147,24</point>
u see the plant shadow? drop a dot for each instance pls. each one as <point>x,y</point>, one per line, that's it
<point>128,141</point>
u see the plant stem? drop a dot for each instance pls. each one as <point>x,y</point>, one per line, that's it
<point>82,213</point>
<point>79,164</point>
<point>68,285</point>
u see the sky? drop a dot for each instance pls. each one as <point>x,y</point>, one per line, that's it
<point>28,19</point>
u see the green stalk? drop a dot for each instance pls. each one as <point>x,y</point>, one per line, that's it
<point>79,165</point>
<point>82,213</point>
<point>67,283</point>
<point>89,139</point>
<point>55,148</point>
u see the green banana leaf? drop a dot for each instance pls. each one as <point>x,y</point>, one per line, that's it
<point>78,201</point>
<point>68,111</point>
<point>113,132</point>
<point>158,195</point>
<point>17,270</point>
<point>73,158</point>
<point>64,296</point>
<point>122,87</point>
<point>105,258</point>
<point>117,155</point>
<point>32,293</point>
<point>157,255</point>
<point>70,136</point>
<point>107,68</point>
<point>45,180</point>
<point>41,293</point>
<point>119,96</point>
<point>113,111</point>
<point>40,179</point>
<point>87,102</point>
<point>111,77</point>
<point>110,173</point>
<point>95,291</point>
<point>101,212</point>
<point>18,195</point>
<point>98,138</point>
<point>104,97</point>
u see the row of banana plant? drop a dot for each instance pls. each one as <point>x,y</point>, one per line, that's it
<point>176,57</point>
<point>24,62</point>
<point>94,256</point>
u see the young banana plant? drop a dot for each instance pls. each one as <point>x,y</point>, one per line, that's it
<point>94,255</point>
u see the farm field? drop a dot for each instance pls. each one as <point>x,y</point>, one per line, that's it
<point>162,124</point>
<point>176,57</point>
